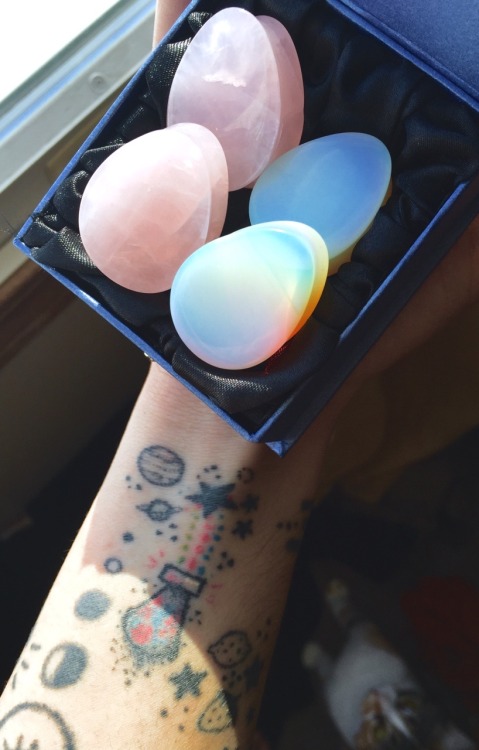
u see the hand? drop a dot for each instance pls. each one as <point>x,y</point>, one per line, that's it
<point>451,287</point>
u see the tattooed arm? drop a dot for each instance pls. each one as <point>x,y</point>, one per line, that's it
<point>160,626</point>
<point>161,623</point>
<point>159,629</point>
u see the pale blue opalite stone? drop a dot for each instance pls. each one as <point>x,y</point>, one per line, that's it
<point>336,184</point>
<point>238,299</point>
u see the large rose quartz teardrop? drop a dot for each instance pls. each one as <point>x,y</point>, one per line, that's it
<point>152,203</point>
<point>228,81</point>
<point>290,85</point>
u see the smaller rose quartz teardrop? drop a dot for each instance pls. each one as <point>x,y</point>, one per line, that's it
<point>218,172</point>
<point>228,81</point>
<point>152,203</point>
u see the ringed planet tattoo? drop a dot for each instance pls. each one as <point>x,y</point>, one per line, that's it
<point>158,510</point>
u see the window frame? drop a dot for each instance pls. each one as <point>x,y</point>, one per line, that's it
<point>50,104</point>
<point>42,124</point>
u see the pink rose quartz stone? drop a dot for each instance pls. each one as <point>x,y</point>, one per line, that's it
<point>290,85</point>
<point>218,172</point>
<point>152,203</point>
<point>228,81</point>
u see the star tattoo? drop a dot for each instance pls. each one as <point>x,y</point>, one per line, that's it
<point>187,682</point>
<point>243,529</point>
<point>212,497</point>
<point>250,503</point>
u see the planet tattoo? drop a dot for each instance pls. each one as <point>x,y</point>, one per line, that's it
<point>113,565</point>
<point>220,714</point>
<point>64,666</point>
<point>231,649</point>
<point>92,605</point>
<point>158,510</point>
<point>161,466</point>
<point>21,728</point>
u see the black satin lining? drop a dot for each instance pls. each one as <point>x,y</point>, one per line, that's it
<point>352,82</point>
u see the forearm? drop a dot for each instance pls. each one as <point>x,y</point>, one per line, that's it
<point>162,621</point>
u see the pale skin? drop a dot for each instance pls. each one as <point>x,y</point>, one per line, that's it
<point>192,514</point>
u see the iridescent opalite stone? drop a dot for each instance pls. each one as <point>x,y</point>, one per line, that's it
<point>153,202</point>
<point>240,78</point>
<point>238,299</point>
<point>335,184</point>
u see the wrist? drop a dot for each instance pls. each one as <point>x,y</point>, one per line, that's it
<point>168,404</point>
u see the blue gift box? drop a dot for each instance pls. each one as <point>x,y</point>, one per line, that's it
<point>407,73</point>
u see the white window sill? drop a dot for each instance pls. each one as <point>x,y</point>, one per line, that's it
<point>45,120</point>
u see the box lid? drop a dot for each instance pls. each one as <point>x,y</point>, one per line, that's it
<point>438,36</point>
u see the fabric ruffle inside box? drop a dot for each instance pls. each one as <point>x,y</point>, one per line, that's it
<point>352,83</point>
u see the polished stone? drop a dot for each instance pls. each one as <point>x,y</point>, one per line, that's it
<point>320,260</point>
<point>228,81</point>
<point>238,299</point>
<point>153,202</point>
<point>290,85</point>
<point>218,172</point>
<point>336,184</point>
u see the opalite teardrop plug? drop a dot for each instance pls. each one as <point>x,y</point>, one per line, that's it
<point>336,184</point>
<point>153,202</point>
<point>240,77</point>
<point>238,299</point>
<point>320,260</point>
